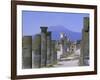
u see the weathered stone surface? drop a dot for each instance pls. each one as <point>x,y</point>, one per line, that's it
<point>48,63</point>
<point>53,53</point>
<point>86,24</point>
<point>73,47</point>
<point>43,46</point>
<point>27,52</point>
<point>84,57</point>
<point>36,51</point>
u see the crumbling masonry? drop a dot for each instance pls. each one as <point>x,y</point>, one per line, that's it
<point>39,50</point>
<point>84,57</point>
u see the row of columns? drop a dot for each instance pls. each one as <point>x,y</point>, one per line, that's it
<point>39,51</point>
<point>48,52</point>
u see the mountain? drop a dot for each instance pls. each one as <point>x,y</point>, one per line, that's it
<point>56,30</point>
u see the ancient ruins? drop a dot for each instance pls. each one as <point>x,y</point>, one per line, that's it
<point>41,50</point>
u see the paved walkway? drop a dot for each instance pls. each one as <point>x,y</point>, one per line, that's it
<point>67,63</point>
<point>72,60</point>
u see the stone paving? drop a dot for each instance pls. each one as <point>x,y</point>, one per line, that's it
<point>72,60</point>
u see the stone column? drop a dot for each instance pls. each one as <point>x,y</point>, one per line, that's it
<point>65,47</point>
<point>53,53</point>
<point>43,46</point>
<point>62,47</point>
<point>27,52</point>
<point>36,51</point>
<point>84,57</point>
<point>62,42</point>
<point>48,49</point>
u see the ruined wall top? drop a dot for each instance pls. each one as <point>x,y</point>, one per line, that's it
<point>26,39</point>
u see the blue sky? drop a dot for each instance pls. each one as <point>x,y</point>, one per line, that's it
<point>33,20</point>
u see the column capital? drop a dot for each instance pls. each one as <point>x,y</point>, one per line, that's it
<point>43,29</point>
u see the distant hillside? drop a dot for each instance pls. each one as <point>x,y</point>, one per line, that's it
<point>56,30</point>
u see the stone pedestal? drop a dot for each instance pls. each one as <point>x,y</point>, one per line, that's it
<point>36,51</point>
<point>27,52</point>
<point>43,46</point>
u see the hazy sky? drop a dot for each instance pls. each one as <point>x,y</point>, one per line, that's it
<point>32,20</point>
